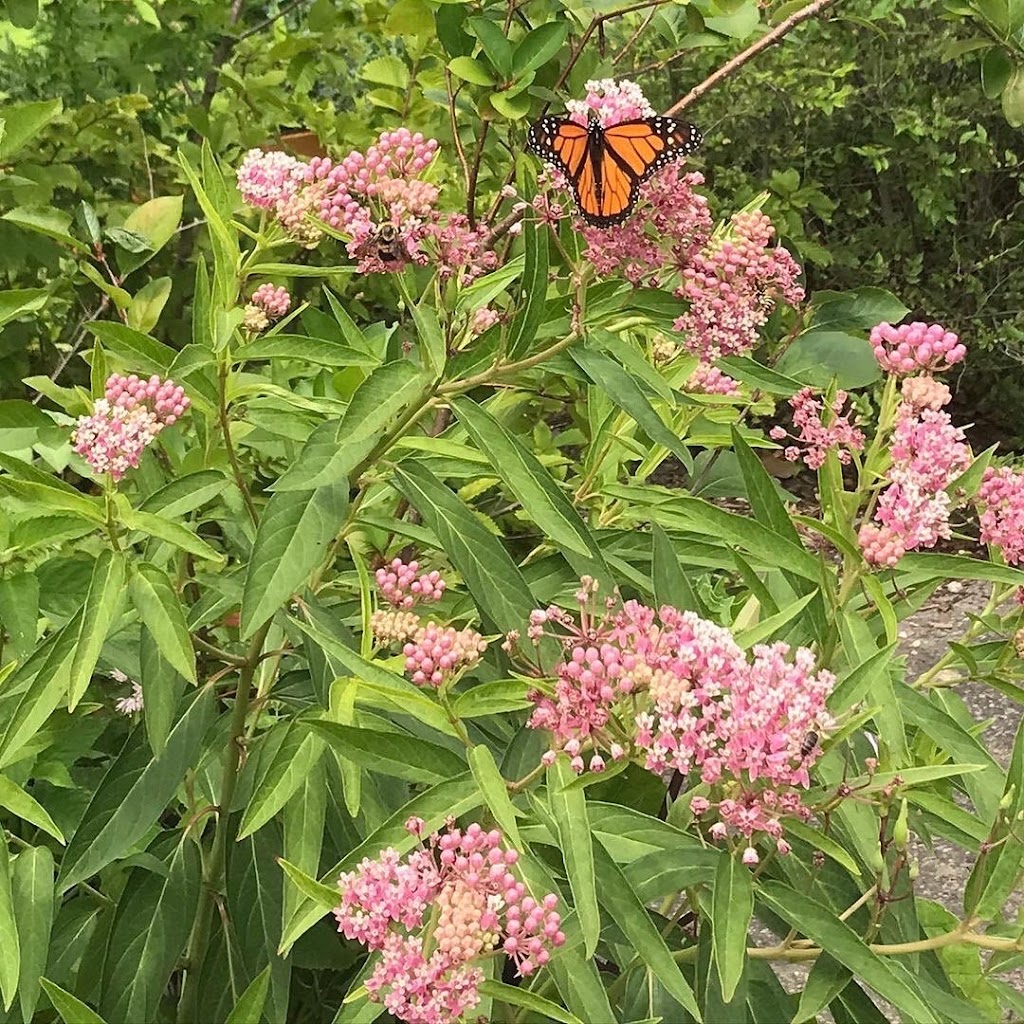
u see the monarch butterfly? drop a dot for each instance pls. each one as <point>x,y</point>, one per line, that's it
<point>606,166</point>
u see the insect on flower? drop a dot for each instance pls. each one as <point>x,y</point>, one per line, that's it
<point>385,244</point>
<point>605,165</point>
<point>810,742</point>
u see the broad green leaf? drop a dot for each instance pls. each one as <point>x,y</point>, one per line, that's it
<point>819,356</point>
<point>531,312</point>
<point>713,1001</point>
<point>148,935</point>
<point>21,424</point>
<point>19,610</point>
<point>662,873</point>
<point>918,567</point>
<point>476,72</point>
<point>862,308</point>
<point>431,342</point>
<point>539,495</point>
<point>491,576</point>
<point>626,910</point>
<point>828,977</point>
<point>18,302</point>
<point>493,40</point>
<point>671,585</point>
<point>731,909</point>
<point>10,962</point>
<point>101,610</point>
<point>186,493</point>
<point>539,46</point>
<point>453,797</point>
<point>223,236</point>
<point>26,807</point>
<point>322,895</point>
<point>391,753</point>
<point>624,391</point>
<point>23,122</point>
<point>249,1008</point>
<point>329,458</point>
<point>160,609</point>
<point>820,841</point>
<point>71,1009</point>
<point>49,499</point>
<point>492,785</point>
<point>49,221</point>
<point>292,539</point>
<point>162,687</point>
<point>156,220</point>
<point>288,763</point>
<point>146,354</point>
<point>516,995</point>
<point>133,794</point>
<point>569,810</point>
<point>148,303</point>
<point>324,351</point>
<point>493,698</point>
<point>822,926</point>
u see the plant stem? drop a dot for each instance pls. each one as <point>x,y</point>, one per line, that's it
<point>216,858</point>
<point>225,428</point>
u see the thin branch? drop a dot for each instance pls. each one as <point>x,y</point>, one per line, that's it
<point>78,336</point>
<point>732,66</point>
<point>455,124</point>
<point>474,171</point>
<point>640,29</point>
<point>287,8</point>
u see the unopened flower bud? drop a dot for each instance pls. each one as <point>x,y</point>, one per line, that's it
<point>1007,799</point>
<point>900,831</point>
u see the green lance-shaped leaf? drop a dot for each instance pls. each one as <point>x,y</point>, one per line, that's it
<point>20,302</point>
<point>539,495</point>
<point>333,452</point>
<point>670,582</point>
<point>995,874</point>
<point>100,612</point>
<point>19,610</point>
<point>624,391</point>
<point>162,528</point>
<point>539,46</point>
<point>492,577</point>
<point>731,910</point>
<point>249,1008</point>
<point>820,924</point>
<point>762,492</point>
<point>569,809</point>
<point>281,770</point>
<point>133,793</point>
<point>530,315</point>
<point>514,995</point>
<point>292,539</point>
<point>10,962</point>
<point>26,807</point>
<point>145,352</point>
<point>148,934</point>
<point>303,827</point>
<point>159,607</point>
<point>492,785</point>
<point>626,910</point>
<point>71,1009</point>
<point>827,979</point>
<point>32,889</point>
<point>716,1006</point>
<point>162,687</point>
<point>391,753</point>
<point>33,692</point>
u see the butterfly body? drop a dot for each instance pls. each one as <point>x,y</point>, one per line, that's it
<point>605,167</point>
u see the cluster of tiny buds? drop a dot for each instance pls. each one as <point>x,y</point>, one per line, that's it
<point>403,586</point>
<point>880,545</point>
<point>265,304</point>
<point>134,701</point>
<point>435,652</point>
<point>165,398</point>
<point>916,347</point>
<point>394,625</point>
<point>925,392</point>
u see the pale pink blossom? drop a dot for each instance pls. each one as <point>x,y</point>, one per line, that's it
<point>816,437</point>
<point>880,545</point>
<point>916,347</point>
<point>732,286</point>
<point>265,179</point>
<point>457,897</point>
<point>709,380</point>
<point>265,305</point>
<point>133,702</point>
<point>1001,498</point>
<point>126,421</point>
<point>925,393</point>
<point>434,653</point>
<point>611,101</point>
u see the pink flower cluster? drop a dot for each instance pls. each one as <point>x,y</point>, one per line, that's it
<point>434,914</point>
<point>816,438</point>
<point>678,689</point>
<point>365,194</point>
<point>916,348</point>
<point>709,380</point>
<point>1002,518</point>
<point>732,286</point>
<point>265,304</point>
<point>928,453</point>
<point>611,101</point>
<point>434,652</point>
<point>126,421</point>
<point>400,585</point>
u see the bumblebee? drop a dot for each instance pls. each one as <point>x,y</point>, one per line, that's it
<point>386,244</point>
<point>810,742</point>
